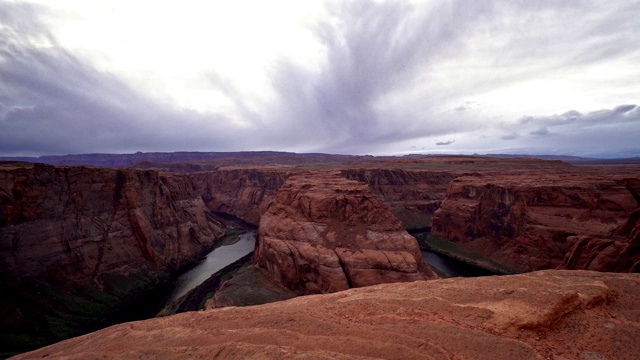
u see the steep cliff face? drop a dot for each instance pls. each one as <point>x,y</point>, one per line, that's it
<point>244,193</point>
<point>76,241</point>
<point>542,315</point>
<point>412,195</point>
<point>326,233</point>
<point>530,221</point>
<point>618,252</point>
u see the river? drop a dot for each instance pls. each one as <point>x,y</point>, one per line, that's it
<point>148,304</point>
<point>453,267</point>
<point>225,255</point>
<point>215,261</point>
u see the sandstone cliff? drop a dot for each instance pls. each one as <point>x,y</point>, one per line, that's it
<point>325,233</point>
<point>541,315</point>
<point>530,221</point>
<point>75,242</point>
<point>245,193</point>
<point>412,195</point>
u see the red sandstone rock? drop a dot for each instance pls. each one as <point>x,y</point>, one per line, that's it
<point>326,233</point>
<point>412,195</point>
<point>76,241</point>
<point>541,315</point>
<point>412,188</point>
<point>533,221</point>
<point>245,193</point>
<point>619,252</point>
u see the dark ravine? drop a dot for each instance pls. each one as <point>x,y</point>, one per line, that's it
<point>450,267</point>
<point>450,264</point>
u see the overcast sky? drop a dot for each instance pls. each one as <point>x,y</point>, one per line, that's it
<point>352,77</point>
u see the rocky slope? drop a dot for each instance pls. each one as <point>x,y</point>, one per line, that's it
<point>76,242</point>
<point>541,315</point>
<point>326,233</point>
<point>539,220</point>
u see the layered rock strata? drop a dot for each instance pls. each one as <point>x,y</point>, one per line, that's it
<point>412,195</point>
<point>541,315</point>
<point>75,242</point>
<point>531,221</point>
<point>245,193</point>
<point>325,233</point>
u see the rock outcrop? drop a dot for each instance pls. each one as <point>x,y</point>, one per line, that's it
<point>531,221</point>
<point>541,315</point>
<point>325,233</point>
<point>76,242</point>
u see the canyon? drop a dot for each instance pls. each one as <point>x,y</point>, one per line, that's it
<point>77,242</point>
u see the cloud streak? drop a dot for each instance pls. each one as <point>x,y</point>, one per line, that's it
<point>389,77</point>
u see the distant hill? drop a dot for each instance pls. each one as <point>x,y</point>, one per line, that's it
<point>151,159</point>
<point>122,160</point>
<point>573,160</point>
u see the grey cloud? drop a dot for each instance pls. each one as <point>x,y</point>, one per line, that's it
<point>576,121</point>
<point>375,50</point>
<point>445,142</point>
<point>54,102</point>
<point>605,132</point>
<point>540,132</point>
<point>622,109</point>
<point>511,136</point>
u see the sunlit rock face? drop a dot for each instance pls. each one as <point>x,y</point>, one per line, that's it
<point>542,315</point>
<point>325,233</point>
<point>542,220</point>
<point>75,242</point>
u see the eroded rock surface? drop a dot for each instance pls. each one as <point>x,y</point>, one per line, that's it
<point>325,233</point>
<point>530,221</point>
<point>541,315</point>
<point>75,242</point>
